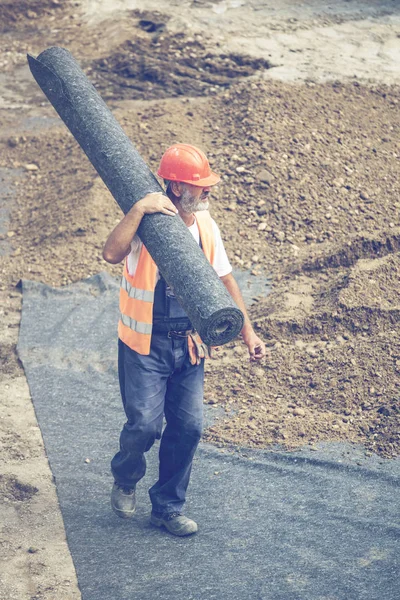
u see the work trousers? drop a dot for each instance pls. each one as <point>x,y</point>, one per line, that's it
<point>161,383</point>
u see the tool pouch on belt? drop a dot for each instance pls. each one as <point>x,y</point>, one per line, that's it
<point>197,349</point>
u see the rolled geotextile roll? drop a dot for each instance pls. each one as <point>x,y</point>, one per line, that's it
<point>172,247</point>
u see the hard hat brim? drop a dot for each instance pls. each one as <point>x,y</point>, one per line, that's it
<point>212,179</point>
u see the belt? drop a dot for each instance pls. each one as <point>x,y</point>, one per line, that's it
<point>179,334</point>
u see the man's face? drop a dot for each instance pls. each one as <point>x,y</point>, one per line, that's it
<point>194,198</point>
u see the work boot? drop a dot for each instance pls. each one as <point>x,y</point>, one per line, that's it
<point>123,501</point>
<point>176,523</point>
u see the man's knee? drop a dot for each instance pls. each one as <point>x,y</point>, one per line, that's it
<point>140,436</point>
<point>193,430</point>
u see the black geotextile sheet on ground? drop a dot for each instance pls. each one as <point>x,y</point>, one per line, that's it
<point>306,525</point>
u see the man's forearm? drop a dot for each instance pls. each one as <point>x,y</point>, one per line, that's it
<point>118,243</point>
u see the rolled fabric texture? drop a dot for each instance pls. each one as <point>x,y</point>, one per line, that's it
<point>180,260</point>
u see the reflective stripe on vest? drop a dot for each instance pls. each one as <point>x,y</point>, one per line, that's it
<point>135,325</point>
<point>137,291</point>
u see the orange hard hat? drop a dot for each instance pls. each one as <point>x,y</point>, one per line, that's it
<point>188,164</point>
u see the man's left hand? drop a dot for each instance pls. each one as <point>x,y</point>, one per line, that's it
<point>198,349</point>
<point>255,346</point>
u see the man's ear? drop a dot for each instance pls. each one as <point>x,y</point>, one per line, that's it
<point>176,188</point>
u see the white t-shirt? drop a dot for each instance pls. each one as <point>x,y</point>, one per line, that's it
<point>221,262</point>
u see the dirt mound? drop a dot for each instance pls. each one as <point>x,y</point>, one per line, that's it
<point>332,370</point>
<point>161,65</point>
<point>334,301</point>
<point>370,285</point>
<point>305,168</point>
<point>24,12</point>
<point>311,390</point>
<point>358,247</point>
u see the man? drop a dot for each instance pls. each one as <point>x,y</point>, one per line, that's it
<point>160,359</point>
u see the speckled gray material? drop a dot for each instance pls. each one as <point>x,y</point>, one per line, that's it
<point>308,525</point>
<point>180,260</point>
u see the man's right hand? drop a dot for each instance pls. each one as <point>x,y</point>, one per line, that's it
<point>118,244</point>
<point>154,203</point>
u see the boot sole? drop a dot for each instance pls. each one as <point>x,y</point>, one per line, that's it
<point>123,514</point>
<point>160,523</point>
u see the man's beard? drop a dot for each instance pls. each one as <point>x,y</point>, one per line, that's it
<point>191,204</point>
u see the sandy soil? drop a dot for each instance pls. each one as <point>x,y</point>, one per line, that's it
<point>297,108</point>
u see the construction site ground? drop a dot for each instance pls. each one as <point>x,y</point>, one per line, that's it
<point>297,107</point>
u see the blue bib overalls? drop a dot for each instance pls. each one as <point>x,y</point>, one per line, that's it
<point>161,383</point>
